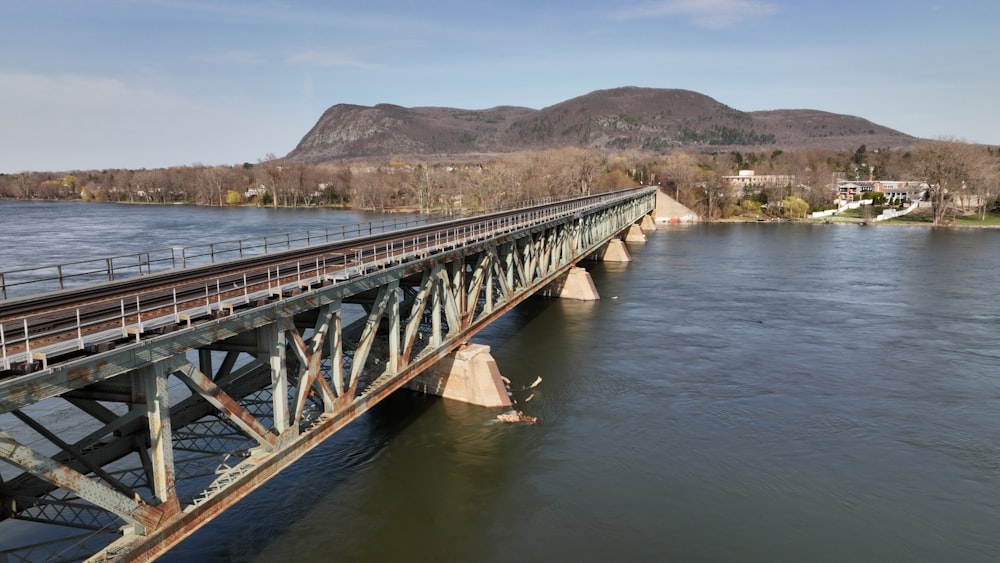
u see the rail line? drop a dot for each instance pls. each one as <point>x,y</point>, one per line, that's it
<point>36,331</point>
<point>28,281</point>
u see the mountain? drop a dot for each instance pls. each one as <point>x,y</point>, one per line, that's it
<point>648,119</point>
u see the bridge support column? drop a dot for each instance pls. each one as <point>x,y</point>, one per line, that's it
<point>615,251</point>
<point>575,284</point>
<point>470,375</point>
<point>648,224</point>
<point>635,234</point>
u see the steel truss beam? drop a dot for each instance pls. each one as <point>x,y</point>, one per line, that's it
<point>162,445</point>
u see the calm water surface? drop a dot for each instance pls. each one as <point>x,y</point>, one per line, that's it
<point>740,393</point>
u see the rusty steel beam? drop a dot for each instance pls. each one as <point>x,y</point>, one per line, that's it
<point>304,369</point>
<point>74,452</point>
<point>208,390</point>
<point>160,458</point>
<point>172,532</point>
<point>132,510</point>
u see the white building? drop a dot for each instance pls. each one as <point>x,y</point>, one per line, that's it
<point>894,190</point>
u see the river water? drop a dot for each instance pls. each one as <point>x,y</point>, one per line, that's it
<point>741,392</point>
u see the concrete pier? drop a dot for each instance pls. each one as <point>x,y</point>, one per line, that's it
<point>635,234</point>
<point>469,375</point>
<point>615,251</point>
<point>574,284</point>
<point>648,224</point>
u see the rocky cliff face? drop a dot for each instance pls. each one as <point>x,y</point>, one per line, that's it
<point>647,119</point>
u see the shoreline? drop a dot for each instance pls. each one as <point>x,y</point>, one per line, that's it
<point>397,210</point>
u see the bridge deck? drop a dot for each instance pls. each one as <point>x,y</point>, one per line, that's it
<point>177,393</point>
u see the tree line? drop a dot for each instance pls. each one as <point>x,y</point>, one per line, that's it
<point>957,173</point>
<point>961,177</point>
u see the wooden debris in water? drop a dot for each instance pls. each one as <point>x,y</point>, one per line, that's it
<point>514,417</point>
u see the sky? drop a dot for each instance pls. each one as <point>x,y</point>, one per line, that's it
<point>96,84</point>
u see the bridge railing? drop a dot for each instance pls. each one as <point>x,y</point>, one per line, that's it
<point>139,313</point>
<point>24,282</point>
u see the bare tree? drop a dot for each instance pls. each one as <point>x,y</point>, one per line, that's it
<point>295,190</point>
<point>573,170</point>
<point>715,191</point>
<point>948,166</point>
<point>478,188</point>
<point>985,183</point>
<point>267,171</point>
<point>332,182</point>
<point>372,189</point>
<point>511,178</point>
<point>25,185</point>
<point>677,174</point>
<point>452,181</point>
<point>421,187</point>
<point>142,185</point>
<point>212,183</point>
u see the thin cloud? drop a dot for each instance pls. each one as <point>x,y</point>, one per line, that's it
<point>711,14</point>
<point>319,58</point>
<point>238,57</point>
<point>69,92</point>
<point>274,13</point>
<point>75,121</point>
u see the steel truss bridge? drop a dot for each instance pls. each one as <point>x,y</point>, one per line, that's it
<point>135,410</point>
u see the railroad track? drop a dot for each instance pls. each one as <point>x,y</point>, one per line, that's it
<point>38,330</point>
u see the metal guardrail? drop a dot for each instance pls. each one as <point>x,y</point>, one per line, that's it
<point>228,291</point>
<point>25,282</point>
